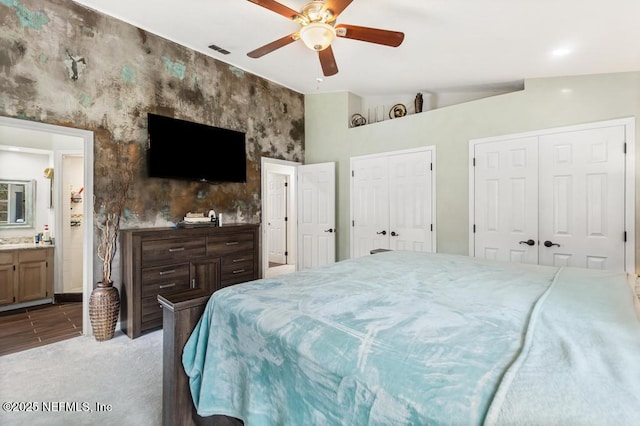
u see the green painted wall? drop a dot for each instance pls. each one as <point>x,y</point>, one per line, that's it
<point>545,103</point>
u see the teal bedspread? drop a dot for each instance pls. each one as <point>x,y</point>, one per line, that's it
<point>400,338</point>
<point>580,364</point>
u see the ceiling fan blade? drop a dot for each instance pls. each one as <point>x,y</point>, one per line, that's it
<point>276,7</point>
<point>337,6</point>
<point>270,47</point>
<point>328,62</point>
<point>371,35</point>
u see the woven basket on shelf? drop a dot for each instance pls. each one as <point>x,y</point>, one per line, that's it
<point>104,308</point>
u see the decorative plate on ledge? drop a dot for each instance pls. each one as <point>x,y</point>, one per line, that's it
<point>358,120</point>
<point>398,110</point>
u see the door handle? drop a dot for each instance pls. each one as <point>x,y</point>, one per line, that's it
<point>382,233</point>
<point>393,234</point>
<point>550,244</point>
<point>328,230</point>
<point>528,242</point>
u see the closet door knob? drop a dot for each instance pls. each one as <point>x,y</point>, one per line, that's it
<point>550,244</point>
<point>394,234</point>
<point>528,242</point>
<point>328,230</point>
<point>382,233</point>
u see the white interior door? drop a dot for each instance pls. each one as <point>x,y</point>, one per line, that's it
<point>276,217</point>
<point>410,201</point>
<point>582,204</point>
<point>506,200</point>
<point>316,215</point>
<point>370,201</point>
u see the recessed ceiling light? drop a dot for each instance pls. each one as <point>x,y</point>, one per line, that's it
<point>563,51</point>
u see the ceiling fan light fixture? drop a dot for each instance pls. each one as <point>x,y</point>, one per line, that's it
<point>317,36</point>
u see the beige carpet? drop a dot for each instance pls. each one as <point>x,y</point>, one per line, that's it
<point>63,382</point>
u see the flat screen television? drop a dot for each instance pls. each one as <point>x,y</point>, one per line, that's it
<point>182,149</point>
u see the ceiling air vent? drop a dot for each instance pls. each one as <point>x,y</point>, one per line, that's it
<point>219,49</point>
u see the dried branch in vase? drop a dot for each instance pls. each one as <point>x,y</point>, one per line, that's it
<point>110,206</point>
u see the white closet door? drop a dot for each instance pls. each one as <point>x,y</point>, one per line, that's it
<point>410,201</point>
<point>316,215</point>
<point>506,200</point>
<point>393,201</point>
<point>582,181</point>
<point>370,211</point>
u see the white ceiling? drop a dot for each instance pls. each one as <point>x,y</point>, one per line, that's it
<point>449,45</point>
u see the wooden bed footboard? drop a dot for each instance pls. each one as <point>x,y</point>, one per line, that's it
<point>181,312</point>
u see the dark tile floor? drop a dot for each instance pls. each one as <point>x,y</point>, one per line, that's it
<point>28,328</point>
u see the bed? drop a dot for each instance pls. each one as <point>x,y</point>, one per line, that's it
<point>409,338</point>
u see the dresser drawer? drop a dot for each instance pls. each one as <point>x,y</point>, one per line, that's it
<point>237,268</point>
<point>237,279</point>
<point>172,250</point>
<point>161,279</point>
<point>236,260</point>
<point>230,243</point>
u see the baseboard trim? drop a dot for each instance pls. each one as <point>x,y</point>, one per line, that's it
<point>67,297</point>
<point>25,304</point>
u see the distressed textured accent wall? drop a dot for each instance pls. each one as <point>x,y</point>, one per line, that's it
<point>64,64</point>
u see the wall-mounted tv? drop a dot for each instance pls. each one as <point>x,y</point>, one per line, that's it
<point>182,149</point>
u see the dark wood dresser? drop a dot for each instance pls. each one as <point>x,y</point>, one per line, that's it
<point>161,260</point>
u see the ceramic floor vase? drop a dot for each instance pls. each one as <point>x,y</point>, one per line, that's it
<point>104,308</point>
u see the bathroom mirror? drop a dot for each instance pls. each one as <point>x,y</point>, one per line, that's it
<point>17,203</point>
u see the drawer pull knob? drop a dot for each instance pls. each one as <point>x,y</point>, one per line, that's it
<point>175,249</point>
<point>238,271</point>
<point>232,243</point>
<point>239,260</point>
<point>172,271</point>
<point>168,285</point>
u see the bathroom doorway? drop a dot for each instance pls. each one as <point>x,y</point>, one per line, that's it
<point>78,145</point>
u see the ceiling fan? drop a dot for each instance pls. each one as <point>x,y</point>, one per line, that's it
<point>318,30</point>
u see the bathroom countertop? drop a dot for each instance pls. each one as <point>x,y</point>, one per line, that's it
<point>24,246</point>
